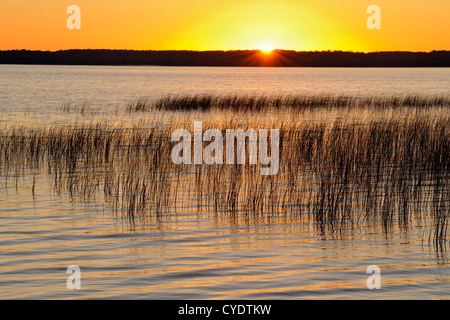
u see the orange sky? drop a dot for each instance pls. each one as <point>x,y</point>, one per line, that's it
<point>413,25</point>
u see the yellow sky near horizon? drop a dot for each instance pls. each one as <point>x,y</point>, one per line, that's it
<point>406,25</point>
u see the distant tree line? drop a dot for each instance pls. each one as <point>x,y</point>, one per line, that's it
<point>278,58</point>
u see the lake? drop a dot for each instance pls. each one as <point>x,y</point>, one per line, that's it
<point>187,251</point>
<point>37,86</point>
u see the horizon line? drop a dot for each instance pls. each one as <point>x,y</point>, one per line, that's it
<point>221,50</point>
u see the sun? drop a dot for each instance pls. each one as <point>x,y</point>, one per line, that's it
<point>266,48</point>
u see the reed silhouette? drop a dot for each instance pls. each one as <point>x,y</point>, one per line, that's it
<point>245,103</point>
<point>384,170</point>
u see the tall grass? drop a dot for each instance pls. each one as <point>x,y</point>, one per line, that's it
<point>300,102</point>
<point>339,174</point>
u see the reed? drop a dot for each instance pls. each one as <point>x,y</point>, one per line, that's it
<point>82,108</point>
<point>245,103</point>
<point>339,174</point>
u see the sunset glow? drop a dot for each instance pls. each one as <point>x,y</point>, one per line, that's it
<point>225,25</point>
<point>267,48</point>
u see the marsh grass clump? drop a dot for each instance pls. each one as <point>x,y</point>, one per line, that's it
<point>82,108</point>
<point>247,103</point>
<point>140,104</point>
<point>338,174</point>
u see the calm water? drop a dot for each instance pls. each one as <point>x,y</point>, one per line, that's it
<point>191,254</point>
<point>46,87</point>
